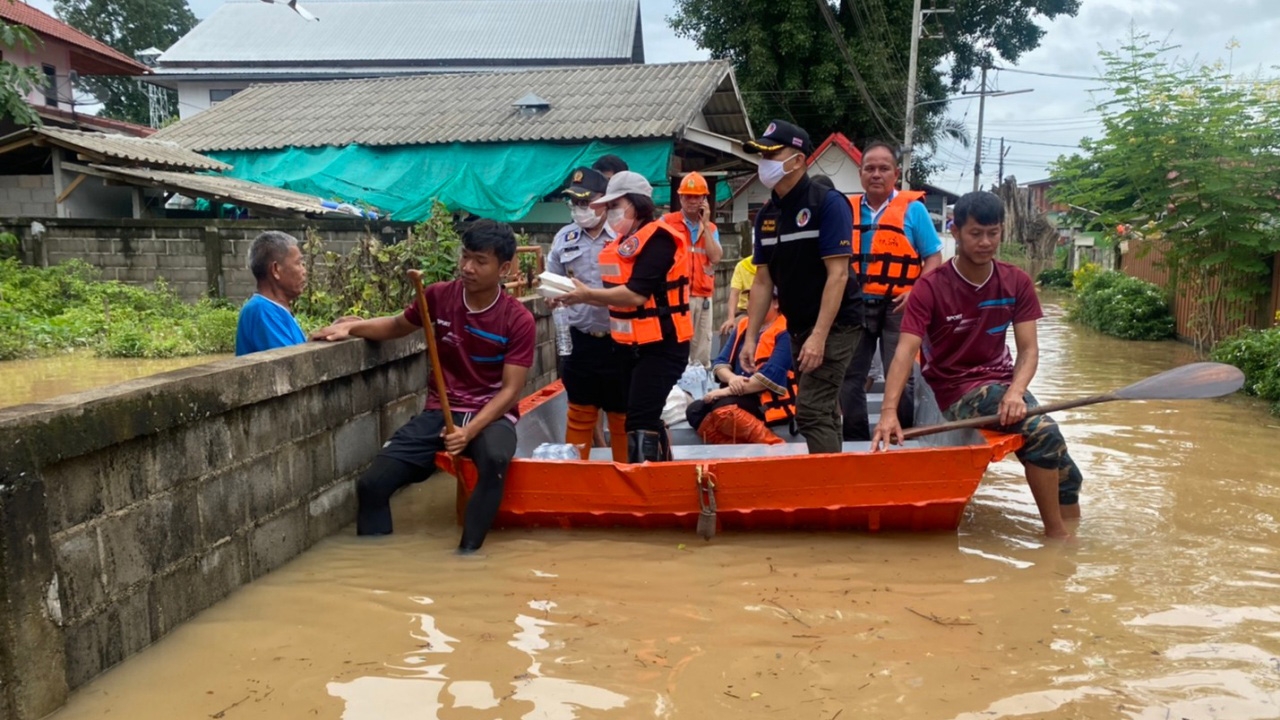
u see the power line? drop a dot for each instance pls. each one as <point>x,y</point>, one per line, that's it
<point>1095,78</point>
<point>875,109</point>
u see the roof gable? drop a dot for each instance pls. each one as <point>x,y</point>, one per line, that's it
<point>586,103</point>
<point>422,33</point>
<point>88,56</point>
<point>840,142</point>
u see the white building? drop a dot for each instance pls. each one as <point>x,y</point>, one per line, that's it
<point>245,42</point>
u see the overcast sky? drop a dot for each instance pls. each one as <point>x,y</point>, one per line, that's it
<point>1057,112</point>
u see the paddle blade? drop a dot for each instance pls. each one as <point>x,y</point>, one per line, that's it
<point>1189,382</point>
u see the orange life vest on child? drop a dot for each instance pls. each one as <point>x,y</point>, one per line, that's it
<point>892,265</point>
<point>702,273</point>
<point>640,324</point>
<point>777,408</point>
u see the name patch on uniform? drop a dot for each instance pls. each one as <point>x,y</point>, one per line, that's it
<point>628,247</point>
<point>802,217</point>
<point>571,236</point>
<point>769,225</point>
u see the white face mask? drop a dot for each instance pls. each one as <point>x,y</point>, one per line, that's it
<point>585,217</point>
<point>772,171</point>
<point>618,220</point>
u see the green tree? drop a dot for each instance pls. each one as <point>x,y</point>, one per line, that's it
<point>789,65</point>
<point>16,82</point>
<point>128,26</point>
<point>1187,159</point>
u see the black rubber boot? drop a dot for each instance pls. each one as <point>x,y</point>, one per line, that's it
<point>644,445</point>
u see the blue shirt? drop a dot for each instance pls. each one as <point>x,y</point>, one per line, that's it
<point>695,227</point>
<point>773,373</point>
<point>265,325</point>
<point>919,226</point>
<point>574,254</point>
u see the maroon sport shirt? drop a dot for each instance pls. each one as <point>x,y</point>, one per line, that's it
<point>964,326</point>
<point>475,344</point>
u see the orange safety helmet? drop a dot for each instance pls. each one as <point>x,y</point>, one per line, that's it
<point>693,184</point>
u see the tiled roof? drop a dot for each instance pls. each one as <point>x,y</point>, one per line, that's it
<point>117,149</point>
<point>89,56</point>
<point>222,189</point>
<point>424,32</point>
<point>604,102</point>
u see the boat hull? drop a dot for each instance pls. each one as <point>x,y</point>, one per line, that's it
<point>910,489</point>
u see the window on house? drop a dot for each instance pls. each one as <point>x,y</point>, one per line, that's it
<point>217,96</point>
<point>50,86</point>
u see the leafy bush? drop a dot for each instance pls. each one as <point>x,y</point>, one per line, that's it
<point>1125,307</point>
<point>1059,278</point>
<point>47,310</point>
<point>1084,275</point>
<point>1257,353</point>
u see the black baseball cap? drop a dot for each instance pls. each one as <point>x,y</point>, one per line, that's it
<point>584,181</point>
<point>778,135</point>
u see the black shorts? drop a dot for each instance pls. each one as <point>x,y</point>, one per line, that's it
<point>598,372</point>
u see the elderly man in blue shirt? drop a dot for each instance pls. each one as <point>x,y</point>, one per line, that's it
<point>597,372</point>
<point>266,321</point>
<point>894,243</point>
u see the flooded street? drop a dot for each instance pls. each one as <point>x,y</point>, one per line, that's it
<point>1167,606</point>
<point>27,381</point>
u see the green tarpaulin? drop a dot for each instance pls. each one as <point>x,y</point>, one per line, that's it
<point>494,180</point>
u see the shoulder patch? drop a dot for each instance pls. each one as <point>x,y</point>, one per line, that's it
<point>802,217</point>
<point>572,236</point>
<point>628,247</point>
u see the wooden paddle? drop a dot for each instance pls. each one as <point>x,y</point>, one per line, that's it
<point>1189,382</point>
<point>436,371</point>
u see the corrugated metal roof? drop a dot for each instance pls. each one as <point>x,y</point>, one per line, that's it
<point>99,147</point>
<point>428,31</point>
<point>221,189</point>
<point>589,103</point>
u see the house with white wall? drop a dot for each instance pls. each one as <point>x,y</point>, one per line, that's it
<point>247,42</point>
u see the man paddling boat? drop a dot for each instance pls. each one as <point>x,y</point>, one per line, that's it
<point>960,315</point>
<point>486,340</point>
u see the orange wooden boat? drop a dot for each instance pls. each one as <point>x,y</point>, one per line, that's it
<point>922,486</point>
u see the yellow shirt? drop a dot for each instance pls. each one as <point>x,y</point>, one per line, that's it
<point>743,276</point>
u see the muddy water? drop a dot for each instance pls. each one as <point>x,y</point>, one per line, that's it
<point>39,379</point>
<point>1167,606</point>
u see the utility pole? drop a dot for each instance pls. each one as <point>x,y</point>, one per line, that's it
<point>1003,152</point>
<point>917,21</point>
<point>982,109</point>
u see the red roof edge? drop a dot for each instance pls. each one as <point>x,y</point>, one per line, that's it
<point>58,116</point>
<point>839,140</point>
<point>48,26</point>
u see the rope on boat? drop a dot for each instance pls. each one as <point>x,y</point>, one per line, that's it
<point>706,485</point>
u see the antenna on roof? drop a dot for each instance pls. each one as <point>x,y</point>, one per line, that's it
<point>531,104</point>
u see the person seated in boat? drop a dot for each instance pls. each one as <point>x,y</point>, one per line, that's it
<point>960,314</point>
<point>486,341</point>
<point>742,410</point>
<point>645,271</point>
<point>266,321</point>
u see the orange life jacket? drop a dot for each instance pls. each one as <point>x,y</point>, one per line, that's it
<point>777,408</point>
<point>702,273</point>
<point>640,324</point>
<point>892,265</point>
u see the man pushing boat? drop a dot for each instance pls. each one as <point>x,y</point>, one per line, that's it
<point>960,315</point>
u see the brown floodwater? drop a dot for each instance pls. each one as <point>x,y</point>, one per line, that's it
<point>27,381</point>
<point>1167,606</point>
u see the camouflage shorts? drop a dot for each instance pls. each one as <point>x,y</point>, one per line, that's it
<point>1042,441</point>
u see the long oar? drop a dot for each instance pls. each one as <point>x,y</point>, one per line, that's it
<point>1196,381</point>
<point>436,371</point>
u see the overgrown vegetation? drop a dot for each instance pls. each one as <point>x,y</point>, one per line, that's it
<point>1122,306</point>
<point>371,279</point>
<point>1257,353</point>
<point>68,307</point>
<point>1186,163</point>
<point>1056,278</point>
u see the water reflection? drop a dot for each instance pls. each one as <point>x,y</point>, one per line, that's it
<point>37,379</point>
<point>416,690</point>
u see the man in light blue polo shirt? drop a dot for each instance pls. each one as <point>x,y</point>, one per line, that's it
<point>894,244</point>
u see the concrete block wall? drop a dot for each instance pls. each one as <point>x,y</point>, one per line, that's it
<point>29,196</point>
<point>125,511</point>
